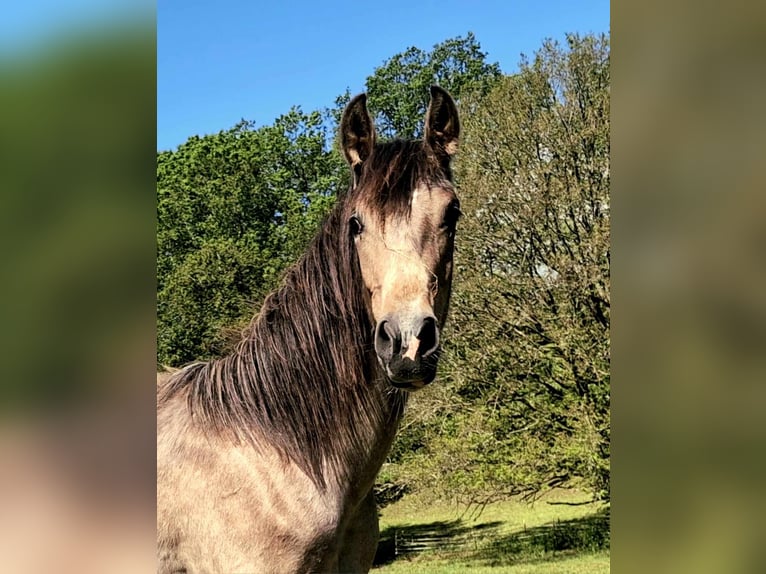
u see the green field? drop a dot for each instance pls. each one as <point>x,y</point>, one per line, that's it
<point>511,536</point>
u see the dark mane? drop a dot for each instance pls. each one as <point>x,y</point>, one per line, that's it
<point>304,378</point>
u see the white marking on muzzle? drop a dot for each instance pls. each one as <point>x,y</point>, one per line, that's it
<point>412,349</point>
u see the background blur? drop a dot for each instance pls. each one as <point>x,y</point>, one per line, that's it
<point>689,269</point>
<point>77,296</point>
<point>77,205</point>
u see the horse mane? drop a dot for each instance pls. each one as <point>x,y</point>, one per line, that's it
<point>304,379</point>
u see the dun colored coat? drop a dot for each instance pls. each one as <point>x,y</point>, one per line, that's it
<point>267,457</point>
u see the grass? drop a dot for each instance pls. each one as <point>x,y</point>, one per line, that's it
<point>512,537</point>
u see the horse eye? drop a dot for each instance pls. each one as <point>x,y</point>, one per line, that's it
<point>355,226</point>
<point>451,215</point>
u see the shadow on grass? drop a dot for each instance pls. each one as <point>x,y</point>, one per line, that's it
<point>559,539</point>
<point>481,545</point>
<point>402,541</point>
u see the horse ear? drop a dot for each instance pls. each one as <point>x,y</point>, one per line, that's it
<point>442,128</point>
<point>357,133</point>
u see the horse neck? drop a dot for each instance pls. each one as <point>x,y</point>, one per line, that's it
<point>314,386</point>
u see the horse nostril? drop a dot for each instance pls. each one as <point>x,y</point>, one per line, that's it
<point>429,336</point>
<point>387,340</point>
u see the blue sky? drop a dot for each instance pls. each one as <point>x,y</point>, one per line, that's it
<point>219,62</point>
<point>31,24</point>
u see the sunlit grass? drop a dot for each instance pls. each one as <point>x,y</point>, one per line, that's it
<point>511,536</point>
<point>594,563</point>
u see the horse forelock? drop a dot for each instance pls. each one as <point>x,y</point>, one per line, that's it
<point>393,171</point>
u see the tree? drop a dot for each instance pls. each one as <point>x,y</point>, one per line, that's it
<point>397,91</point>
<point>523,399</point>
<point>528,350</point>
<point>234,209</point>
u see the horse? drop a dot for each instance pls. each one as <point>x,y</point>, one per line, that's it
<point>267,456</point>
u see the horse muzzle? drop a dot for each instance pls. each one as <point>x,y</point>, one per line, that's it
<point>408,350</point>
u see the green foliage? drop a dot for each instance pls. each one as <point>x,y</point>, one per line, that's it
<point>398,90</point>
<point>528,348</point>
<point>234,209</point>
<point>523,399</point>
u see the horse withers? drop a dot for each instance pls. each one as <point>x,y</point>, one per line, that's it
<point>267,457</point>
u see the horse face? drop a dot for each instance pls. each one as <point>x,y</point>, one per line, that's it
<point>406,265</point>
<point>405,239</point>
